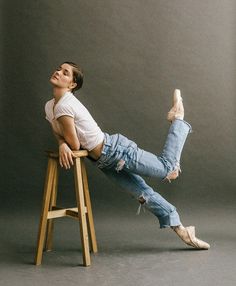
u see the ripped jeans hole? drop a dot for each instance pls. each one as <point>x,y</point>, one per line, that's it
<point>141,200</point>
<point>141,203</point>
<point>120,165</point>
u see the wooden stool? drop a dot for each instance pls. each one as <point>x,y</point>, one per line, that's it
<point>50,211</point>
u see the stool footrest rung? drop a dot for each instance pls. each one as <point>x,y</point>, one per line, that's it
<point>57,212</point>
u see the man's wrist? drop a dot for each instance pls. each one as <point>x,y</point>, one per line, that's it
<point>61,142</point>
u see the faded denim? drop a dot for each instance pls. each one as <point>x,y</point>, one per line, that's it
<point>124,162</point>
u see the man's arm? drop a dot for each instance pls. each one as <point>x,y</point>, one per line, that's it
<point>69,132</point>
<point>68,142</point>
<point>59,138</point>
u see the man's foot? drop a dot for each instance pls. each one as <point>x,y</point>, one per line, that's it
<point>177,111</point>
<point>187,234</point>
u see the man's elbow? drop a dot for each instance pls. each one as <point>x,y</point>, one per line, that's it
<point>74,144</point>
<point>77,147</point>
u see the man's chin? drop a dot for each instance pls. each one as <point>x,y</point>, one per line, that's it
<point>52,81</point>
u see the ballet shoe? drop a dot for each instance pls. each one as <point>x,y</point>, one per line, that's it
<point>177,111</point>
<point>187,234</point>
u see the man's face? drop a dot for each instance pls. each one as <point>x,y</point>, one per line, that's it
<point>63,77</point>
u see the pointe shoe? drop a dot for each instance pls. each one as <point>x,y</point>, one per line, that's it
<point>194,241</point>
<point>187,234</point>
<point>177,111</point>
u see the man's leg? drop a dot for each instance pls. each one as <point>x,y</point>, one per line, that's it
<point>167,165</point>
<point>144,163</point>
<point>146,196</point>
<point>155,203</point>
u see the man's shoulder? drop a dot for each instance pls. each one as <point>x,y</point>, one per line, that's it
<point>71,102</point>
<point>49,109</point>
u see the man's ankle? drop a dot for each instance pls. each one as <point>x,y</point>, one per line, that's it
<point>177,228</point>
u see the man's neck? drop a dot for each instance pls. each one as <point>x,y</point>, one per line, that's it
<point>58,93</point>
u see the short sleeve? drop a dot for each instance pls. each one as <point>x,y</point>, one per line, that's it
<point>63,110</point>
<point>47,111</point>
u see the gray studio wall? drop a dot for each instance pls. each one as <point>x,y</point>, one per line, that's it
<point>134,53</point>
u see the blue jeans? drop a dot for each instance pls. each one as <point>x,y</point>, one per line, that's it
<point>125,163</point>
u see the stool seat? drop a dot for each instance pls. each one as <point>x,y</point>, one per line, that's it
<point>79,153</point>
<point>82,212</point>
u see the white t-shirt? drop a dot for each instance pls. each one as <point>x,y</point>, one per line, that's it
<point>88,132</point>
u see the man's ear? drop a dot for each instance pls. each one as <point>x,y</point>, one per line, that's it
<point>73,85</point>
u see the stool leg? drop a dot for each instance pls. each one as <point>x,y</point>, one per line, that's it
<point>50,224</point>
<point>81,211</point>
<point>89,208</point>
<point>43,219</point>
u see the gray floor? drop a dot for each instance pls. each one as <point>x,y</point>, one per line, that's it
<point>132,251</point>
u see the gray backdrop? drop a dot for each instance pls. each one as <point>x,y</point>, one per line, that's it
<point>134,53</point>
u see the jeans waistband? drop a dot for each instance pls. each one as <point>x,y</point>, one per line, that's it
<point>107,143</point>
<point>106,146</point>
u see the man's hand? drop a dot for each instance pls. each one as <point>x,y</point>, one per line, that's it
<point>65,156</point>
